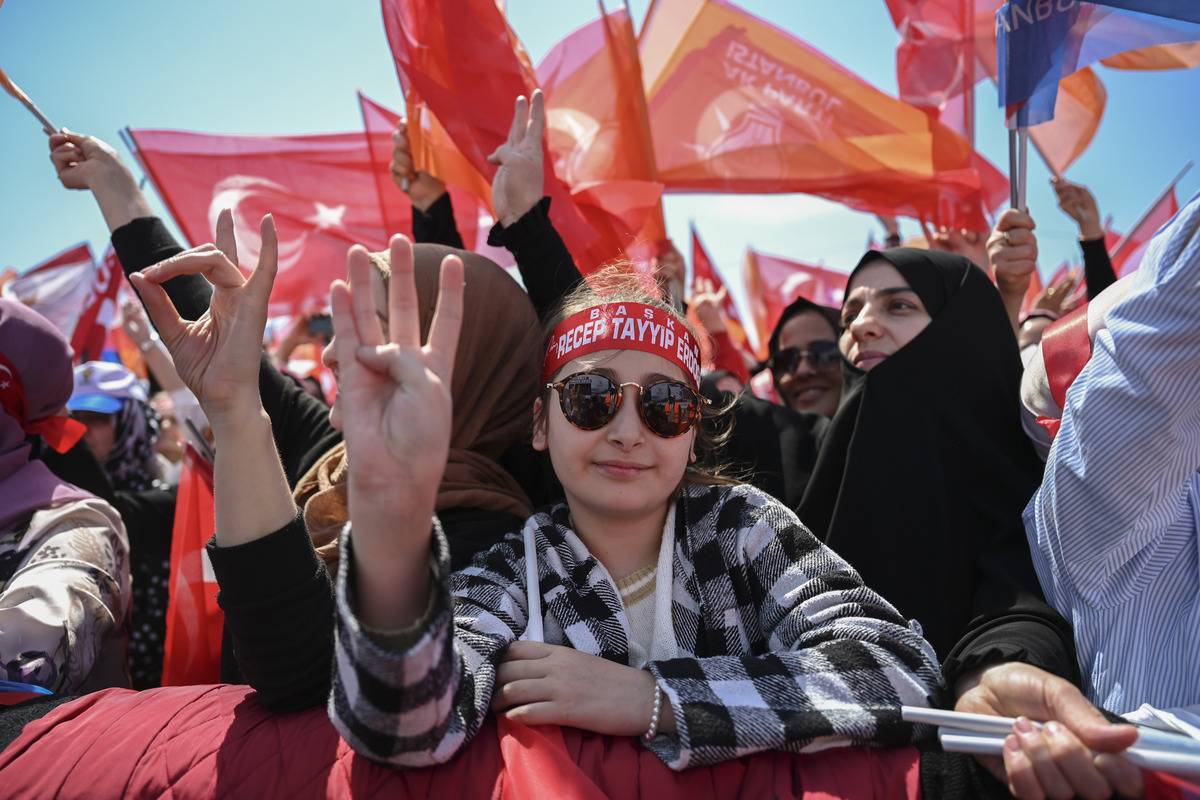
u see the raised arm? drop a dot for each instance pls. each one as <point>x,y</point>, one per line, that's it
<point>523,213</point>
<point>299,423</point>
<point>1129,443</point>
<point>1012,252</point>
<point>433,213</point>
<point>1078,203</point>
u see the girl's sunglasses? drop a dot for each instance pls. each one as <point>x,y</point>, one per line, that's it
<point>590,400</point>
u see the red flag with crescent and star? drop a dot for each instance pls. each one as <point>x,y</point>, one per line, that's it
<point>320,190</point>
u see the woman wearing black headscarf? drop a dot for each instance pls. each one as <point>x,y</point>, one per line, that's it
<point>923,473</point>
<point>920,482</point>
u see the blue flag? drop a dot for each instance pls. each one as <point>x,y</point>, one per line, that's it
<point>1040,42</point>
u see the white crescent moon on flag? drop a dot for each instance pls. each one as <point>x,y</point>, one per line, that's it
<point>230,193</point>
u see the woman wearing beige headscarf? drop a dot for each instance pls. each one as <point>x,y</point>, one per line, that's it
<point>272,547</point>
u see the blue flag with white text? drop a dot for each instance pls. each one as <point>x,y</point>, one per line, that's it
<point>1040,42</point>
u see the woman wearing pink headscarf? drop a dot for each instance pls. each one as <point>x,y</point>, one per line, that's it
<point>64,555</point>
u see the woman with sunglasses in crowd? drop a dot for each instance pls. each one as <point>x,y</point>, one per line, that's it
<point>657,601</point>
<point>774,445</point>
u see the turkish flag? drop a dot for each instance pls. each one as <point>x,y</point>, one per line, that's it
<point>598,129</point>
<point>773,283</point>
<point>1127,255</point>
<point>468,67</point>
<point>320,189</point>
<point>192,650</point>
<point>704,269</point>
<point>77,294</point>
<point>738,105</point>
<point>100,309</point>
<point>469,194</point>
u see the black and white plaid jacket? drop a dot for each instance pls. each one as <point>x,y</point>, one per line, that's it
<point>788,650</point>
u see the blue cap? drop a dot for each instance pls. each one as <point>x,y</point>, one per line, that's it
<point>103,387</point>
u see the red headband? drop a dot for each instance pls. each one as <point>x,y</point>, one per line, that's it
<point>623,326</point>
<point>61,433</point>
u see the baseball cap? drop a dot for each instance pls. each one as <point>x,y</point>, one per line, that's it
<point>103,387</point>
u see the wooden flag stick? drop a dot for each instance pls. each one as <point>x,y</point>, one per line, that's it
<point>24,100</point>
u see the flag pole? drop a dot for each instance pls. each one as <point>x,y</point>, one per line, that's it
<point>968,21</point>
<point>24,99</point>
<point>1014,170</point>
<point>1023,155</point>
<point>1145,215</point>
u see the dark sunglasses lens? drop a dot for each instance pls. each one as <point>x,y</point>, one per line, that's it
<point>825,353</point>
<point>786,361</point>
<point>669,408</point>
<point>589,401</point>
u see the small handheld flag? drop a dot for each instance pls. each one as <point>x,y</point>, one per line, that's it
<point>24,100</point>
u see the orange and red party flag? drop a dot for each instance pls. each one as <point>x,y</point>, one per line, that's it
<point>738,105</point>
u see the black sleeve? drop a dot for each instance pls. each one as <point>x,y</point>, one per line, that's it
<point>146,241</point>
<point>546,266</point>
<point>299,422</point>
<point>1097,266</point>
<point>771,447</point>
<point>1013,622</point>
<point>436,225</point>
<point>279,614</point>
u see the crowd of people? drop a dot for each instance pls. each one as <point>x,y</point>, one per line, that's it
<point>561,505</point>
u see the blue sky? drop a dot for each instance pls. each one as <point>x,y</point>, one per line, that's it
<point>253,66</point>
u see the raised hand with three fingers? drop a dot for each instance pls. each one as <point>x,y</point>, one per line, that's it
<point>396,409</point>
<point>519,182</point>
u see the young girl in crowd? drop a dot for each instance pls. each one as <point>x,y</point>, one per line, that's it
<point>64,558</point>
<point>656,601</point>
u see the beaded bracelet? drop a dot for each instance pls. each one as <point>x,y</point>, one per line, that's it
<point>652,731</point>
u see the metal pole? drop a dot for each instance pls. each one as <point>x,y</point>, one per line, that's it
<point>1148,211</point>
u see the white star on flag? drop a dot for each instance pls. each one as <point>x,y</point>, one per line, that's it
<point>327,216</point>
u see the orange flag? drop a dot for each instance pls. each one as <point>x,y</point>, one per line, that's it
<point>434,152</point>
<point>772,283</point>
<point>1163,56</point>
<point>472,214</point>
<point>599,134</point>
<point>468,67</point>
<point>738,105</point>
<point>1077,113</point>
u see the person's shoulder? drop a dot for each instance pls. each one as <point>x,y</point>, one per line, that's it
<point>79,512</point>
<point>739,507</point>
